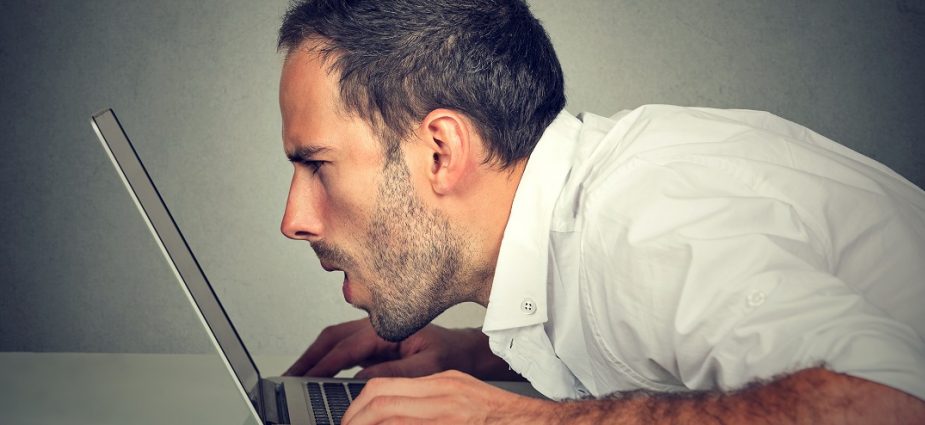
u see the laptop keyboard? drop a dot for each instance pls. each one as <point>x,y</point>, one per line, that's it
<point>329,400</point>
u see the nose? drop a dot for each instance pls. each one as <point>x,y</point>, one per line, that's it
<point>302,219</point>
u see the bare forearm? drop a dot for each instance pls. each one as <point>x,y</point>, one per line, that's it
<point>813,396</point>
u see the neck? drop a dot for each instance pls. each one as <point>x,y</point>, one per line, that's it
<point>488,217</point>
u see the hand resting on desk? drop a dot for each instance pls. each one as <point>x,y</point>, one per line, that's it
<point>430,350</point>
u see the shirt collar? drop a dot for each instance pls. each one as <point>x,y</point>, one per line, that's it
<point>518,290</point>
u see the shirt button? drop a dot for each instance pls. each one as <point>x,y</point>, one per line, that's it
<point>755,298</point>
<point>528,306</point>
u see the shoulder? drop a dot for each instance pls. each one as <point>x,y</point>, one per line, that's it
<point>665,134</point>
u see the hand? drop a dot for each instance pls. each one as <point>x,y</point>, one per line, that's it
<point>445,398</point>
<point>430,350</point>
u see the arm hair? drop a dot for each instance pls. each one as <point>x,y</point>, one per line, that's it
<point>810,396</point>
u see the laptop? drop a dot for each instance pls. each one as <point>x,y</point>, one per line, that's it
<point>271,400</point>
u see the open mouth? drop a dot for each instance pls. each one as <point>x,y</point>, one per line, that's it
<point>345,288</point>
<point>346,285</point>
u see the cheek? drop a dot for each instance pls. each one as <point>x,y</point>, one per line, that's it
<point>349,205</point>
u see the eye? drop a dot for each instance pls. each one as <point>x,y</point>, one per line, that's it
<point>313,165</point>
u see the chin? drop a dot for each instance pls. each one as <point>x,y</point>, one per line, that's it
<point>394,329</point>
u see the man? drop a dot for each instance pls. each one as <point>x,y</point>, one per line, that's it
<point>665,264</point>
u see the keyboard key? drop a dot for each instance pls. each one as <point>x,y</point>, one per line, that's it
<point>338,400</point>
<point>316,399</point>
<point>355,388</point>
<point>330,400</point>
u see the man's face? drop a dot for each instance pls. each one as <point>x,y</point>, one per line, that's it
<point>402,261</point>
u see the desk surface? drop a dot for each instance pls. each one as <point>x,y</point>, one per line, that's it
<point>99,388</point>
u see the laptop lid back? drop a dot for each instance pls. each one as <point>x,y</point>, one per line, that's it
<point>181,259</point>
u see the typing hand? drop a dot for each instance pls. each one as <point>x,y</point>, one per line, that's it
<point>430,350</point>
<point>445,398</point>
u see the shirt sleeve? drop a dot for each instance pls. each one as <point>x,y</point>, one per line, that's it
<point>736,286</point>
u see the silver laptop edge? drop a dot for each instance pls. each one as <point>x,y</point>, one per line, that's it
<point>231,349</point>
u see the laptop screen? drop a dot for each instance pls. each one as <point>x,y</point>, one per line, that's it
<point>175,248</point>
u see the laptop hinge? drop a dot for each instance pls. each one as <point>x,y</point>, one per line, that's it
<point>270,392</point>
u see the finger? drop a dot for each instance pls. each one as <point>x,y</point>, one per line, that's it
<point>386,356</point>
<point>414,366</point>
<point>446,383</point>
<point>349,352</point>
<point>327,339</point>
<point>400,409</point>
<point>375,388</point>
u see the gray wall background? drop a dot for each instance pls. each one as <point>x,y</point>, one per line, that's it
<point>194,83</point>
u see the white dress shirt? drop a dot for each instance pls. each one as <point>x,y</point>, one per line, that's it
<point>674,249</point>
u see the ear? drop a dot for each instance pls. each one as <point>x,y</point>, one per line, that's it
<point>453,143</point>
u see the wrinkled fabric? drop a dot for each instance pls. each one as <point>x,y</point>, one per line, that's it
<point>672,249</point>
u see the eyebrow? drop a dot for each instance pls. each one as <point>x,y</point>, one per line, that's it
<point>305,153</point>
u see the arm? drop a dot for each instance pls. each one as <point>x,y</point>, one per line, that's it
<point>814,396</point>
<point>752,292</point>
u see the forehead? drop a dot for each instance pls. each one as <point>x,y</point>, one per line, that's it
<point>309,101</point>
<point>307,93</point>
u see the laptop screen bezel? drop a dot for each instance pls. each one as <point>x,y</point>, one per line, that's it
<point>173,245</point>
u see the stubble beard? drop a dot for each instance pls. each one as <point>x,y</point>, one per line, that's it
<point>419,260</point>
